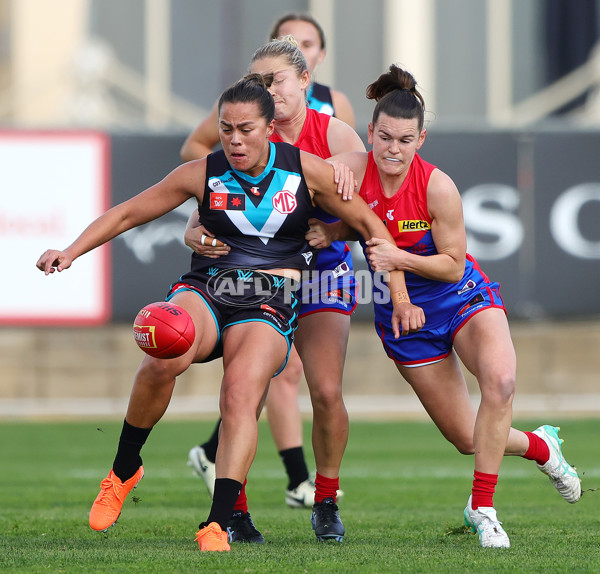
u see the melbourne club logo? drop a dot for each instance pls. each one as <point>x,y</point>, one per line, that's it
<point>468,286</point>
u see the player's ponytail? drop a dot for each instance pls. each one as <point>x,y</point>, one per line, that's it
<point>396,95</point>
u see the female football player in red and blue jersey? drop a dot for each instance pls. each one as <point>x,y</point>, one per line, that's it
<point>319,97</point>
<point>464,312</point>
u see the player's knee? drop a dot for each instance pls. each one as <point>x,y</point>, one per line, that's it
<point>234,404</point>
<point>461,439</point>
<point>238,399</point>
<point>464,446</point>
<point>326,396</point>
<point>291,375</point>
<point>500,389</point>
<point>160,372</point>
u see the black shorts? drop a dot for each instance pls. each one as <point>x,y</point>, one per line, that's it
<point>236,296</point>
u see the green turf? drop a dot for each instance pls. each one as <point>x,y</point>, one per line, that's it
<point>405,490</point>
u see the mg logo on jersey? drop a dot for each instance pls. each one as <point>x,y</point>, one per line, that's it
<point>284,202</point>
<point>413,225</point>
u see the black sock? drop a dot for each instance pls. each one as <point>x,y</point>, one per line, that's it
<point>227,491</point>
<point>295,466</point>
<point>128,458</point>
<point>210,446</point>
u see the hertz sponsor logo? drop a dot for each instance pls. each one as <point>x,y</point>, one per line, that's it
<point>413,225</point>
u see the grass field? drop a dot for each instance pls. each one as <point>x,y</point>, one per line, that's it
<point>405,487</point>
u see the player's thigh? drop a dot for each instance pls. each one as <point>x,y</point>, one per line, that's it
<point>322,340</point>
<point>253,351</point>
<point>287,381</point>
<point>443,392</point>
<point>485,347</point>
<point>207,334</point>
<point>282,399</point>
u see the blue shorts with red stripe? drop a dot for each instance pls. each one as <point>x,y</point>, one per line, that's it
<point>444,317</point>
<point>330,287</point>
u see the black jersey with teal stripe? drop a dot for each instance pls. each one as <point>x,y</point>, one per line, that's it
<point>262,218</point>
<point>319,98</point>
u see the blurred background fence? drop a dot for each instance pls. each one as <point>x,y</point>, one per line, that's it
<point>97,96</point>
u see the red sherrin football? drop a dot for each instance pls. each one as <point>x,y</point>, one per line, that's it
<point>164,330</point>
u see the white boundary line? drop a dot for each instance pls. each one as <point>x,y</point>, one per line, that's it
<point>368,406</point>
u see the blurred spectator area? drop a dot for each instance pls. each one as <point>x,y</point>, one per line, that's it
<point>512,89</point>
<point>161,63</point>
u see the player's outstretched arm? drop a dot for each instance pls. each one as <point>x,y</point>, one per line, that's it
<point>177,187</point>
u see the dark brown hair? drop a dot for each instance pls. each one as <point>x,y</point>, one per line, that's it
<point>396,95</point>
<point>251,88</point>
<point>297,18</point>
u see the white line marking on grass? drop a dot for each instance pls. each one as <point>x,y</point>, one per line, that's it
<point>359,406</point>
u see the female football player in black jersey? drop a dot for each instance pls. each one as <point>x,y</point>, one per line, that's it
<point>258,196</point>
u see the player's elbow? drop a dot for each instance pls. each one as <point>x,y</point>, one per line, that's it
<point>455,270</point>
<point>457,275</point>
<point>185,152</point>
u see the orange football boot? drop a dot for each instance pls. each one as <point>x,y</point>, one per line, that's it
<point>108,504</point>
<point>212,539</point>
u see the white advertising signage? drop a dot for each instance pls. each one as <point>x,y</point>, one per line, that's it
<point>52,185</point>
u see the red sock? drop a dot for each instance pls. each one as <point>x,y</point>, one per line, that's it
<point>484,486</point>
<point>326,488</point>
<point>538,449</point>
<point>242,501</point>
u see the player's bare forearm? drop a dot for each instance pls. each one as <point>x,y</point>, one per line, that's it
<point>355,216</point>
<point>340,231</point>
<point>102,230</point>
<point>406,317</point>
<point>440,267</point>
<point>398,289</point>
<point>97,233</point>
